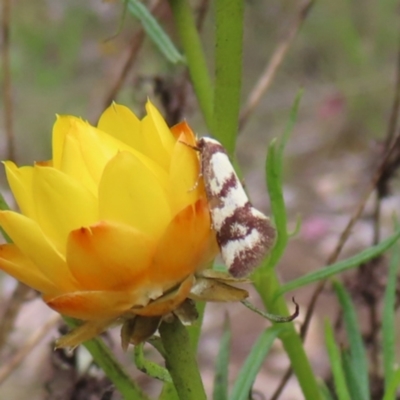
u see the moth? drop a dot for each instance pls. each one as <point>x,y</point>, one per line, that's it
<point>244,234</point>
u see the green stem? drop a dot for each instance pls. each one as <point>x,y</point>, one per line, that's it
<point>267,284</point>
<point>195,58</point>
<point>228,71</point>
<point>181,361</point>
<point>194,330</point>
<point>111,367</point>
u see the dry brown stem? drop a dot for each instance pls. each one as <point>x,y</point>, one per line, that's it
<point>267,77</point>
<point>11,311</point>
<point>7,88</point>
<point>27,347</point>
<point>135,45</point>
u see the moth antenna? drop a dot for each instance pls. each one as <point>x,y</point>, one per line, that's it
<point>196,148</point>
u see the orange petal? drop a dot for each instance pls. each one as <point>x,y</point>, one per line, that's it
<point>109,256</point>
<point>16,264</point>
<point>92,305</point>
<point>29,238</point>
<point>184,245</point>
<point>184,129</point>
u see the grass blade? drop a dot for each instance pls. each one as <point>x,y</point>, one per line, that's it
<point>325,392</point>
<point>393,385</point>
<point>253,363</point>
<point>341,266</point>
<point>388,323</point>
<point>274,174</point>
<point>335,359</point>
<point>351,377</point>
<point>222,371</point>
<point>274,167</point>
<point>358,357</point>
<point>155,31</point>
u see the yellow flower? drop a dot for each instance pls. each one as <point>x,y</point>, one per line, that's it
<point>114,222</point>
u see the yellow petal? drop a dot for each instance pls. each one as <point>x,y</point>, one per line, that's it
<point>109,256</point>
<point>119,121</point>
<point>20,267</point>
<point>160,126</point>
<point>185,180</point>
<point>98,148</point>
<point>60,129</point>
<point>62,204</point>
<point>73,164</point>
<point>29,238</point>
<point>130,193</point>
<point>20,181</point>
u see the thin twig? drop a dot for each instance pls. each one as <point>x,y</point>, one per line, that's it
<point>394,114</point>
<point>27,347</point>
<point>347,231</point>
<point>135,45</point>
<point>275,62</point>
<point>11,311</point>
<point>335,253</point>
<point>376,220</point>
<point>282,384</point>
<point>7,89</point>
<point>201,14</point>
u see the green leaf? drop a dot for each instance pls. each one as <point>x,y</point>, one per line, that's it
<point>351,377</point>
<point>228,71</point>
<point>325,392</point>
<point>274,174</point>
<point>335,359</point>
<point>358,357</point>
<point>155,31</point>
<point>148,367</point>
<point>392,386</point>
<point>222,371</point>
<point>253,363</point>
<point>388,322</point>
<point>341,266</point>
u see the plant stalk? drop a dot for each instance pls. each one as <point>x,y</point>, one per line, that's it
<point>181,361</point>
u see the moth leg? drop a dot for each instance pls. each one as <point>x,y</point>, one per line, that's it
<point>196,184</point>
